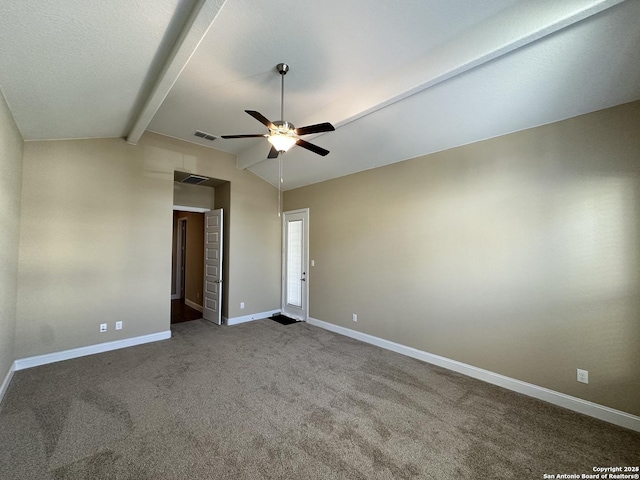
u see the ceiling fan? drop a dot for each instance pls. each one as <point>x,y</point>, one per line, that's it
<point>282,134</point>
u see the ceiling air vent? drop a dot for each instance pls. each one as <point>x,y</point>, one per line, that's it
<point>194,180</point>
<point>206,136</point>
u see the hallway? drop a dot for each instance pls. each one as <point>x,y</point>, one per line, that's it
<point>183,313</point>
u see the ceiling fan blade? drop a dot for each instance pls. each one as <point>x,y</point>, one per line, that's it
<point>251,135</point>
<point>261,118</point>
<point>273,153</point>
<point>317,128</point>
<point>312,147</point>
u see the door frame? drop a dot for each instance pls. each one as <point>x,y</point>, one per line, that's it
<point>184,208</point>
<point>179,259</point>
<point>305,261</point>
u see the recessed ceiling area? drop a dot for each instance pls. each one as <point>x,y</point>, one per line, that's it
<point>398,79</point>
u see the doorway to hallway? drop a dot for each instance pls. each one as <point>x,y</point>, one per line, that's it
<point>180,312</point>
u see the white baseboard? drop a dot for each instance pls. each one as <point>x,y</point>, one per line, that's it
<point>7,381</point>
<point>89,350</point>
<point>249,318</point>
<point>193,305</point>
<point>579,405</point>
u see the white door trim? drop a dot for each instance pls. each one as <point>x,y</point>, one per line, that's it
<point>305,286</point>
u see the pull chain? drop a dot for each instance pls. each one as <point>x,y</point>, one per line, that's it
<point>280,180</point>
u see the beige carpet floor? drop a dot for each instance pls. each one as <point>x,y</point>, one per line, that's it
<point>264,400</point>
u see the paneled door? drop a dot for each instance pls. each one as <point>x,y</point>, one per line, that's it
<point>295,264</point>
<point>212,297</point>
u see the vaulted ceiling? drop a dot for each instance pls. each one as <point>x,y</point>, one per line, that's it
<point>398,78</point>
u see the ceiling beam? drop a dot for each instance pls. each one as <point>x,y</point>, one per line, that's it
<point>195,28</point>
<point>498,36</point>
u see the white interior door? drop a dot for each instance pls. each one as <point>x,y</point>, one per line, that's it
<point>212,295</point>
<point>295,264</point>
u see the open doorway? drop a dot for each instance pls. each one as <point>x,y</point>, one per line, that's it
<point>188,260</point>
<point>189,286</point>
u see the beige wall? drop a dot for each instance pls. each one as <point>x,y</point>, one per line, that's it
<point>519,254</point>
<point>96,235</point>
<point>10,185</point>
<point>187,195</point>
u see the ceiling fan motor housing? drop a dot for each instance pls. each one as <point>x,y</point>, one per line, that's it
<point>284,128</point>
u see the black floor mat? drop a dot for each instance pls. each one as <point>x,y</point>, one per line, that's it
<point>284,320</point>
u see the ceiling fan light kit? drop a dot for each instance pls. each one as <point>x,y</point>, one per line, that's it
<point>282,141</point>
<point>282,134</point>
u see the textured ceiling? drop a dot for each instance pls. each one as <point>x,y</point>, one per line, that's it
<point>398,78</point>
<point>80,69</point>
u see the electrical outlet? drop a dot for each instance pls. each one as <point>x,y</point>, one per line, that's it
<point>583,376</point>
<point>241,305</point>
<point>355,317</point>
<point>103,327</point>
<point>313,263</point>
<point>118,325</point>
